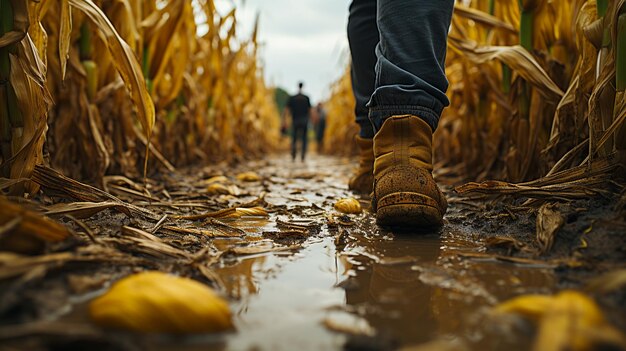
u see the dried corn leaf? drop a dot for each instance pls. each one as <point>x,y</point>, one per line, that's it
<point>8,183</point>
<point>12,265</point>
<point>232,212</point>
<point>483,18</point>
<point>566,321</point>
<point>84,209</point>
<point>245,212</point>
<point>216,179</point>
<point>608,282</point>
<point>140,241</point>
<point>28,231</point>
<point>221,189</point>
<point>125,62</point>
<point>61,185</point>
<point>582,189</point>
<point>248,177</point>
<point>549,222</point>
<point>204,232</point>
<point>515,57</point>
<point>65,32</point>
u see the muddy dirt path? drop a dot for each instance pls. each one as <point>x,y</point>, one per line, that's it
<point>302,276</point>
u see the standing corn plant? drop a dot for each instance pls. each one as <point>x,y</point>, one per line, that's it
<point>24,97</point>
<point>111,74</point>
<point>533,93</point>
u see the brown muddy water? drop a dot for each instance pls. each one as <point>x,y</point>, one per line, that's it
<point>362,287</point>
<point>356,286</point>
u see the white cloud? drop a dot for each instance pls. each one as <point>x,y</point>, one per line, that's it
<point>301,40</point>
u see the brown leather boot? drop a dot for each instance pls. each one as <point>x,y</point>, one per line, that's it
<point>363,178</point>
<point>405,193</point>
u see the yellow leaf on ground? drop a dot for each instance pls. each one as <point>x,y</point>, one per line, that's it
<point>348,205</point>
<point>216,179</point>
<point>567,321</point>
<point>155,302</point>
<point>248,177</point>
<point>218,188</point>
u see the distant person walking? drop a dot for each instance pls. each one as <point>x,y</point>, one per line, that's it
<point>299,107</point>
<point>320,126</point>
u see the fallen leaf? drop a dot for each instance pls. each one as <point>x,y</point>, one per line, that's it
<point>155,302</point>
<point>25,231</point>
<point>84,209</point>
<point>549,221</point>
<point>216,179</point>
<point>139,241</point>
<point>608,282</point>
<point>209,233</point>
<point>58,184</point>
<point>566,321</point>
<point>248,177</point>
<point>221,189</point>
<point>348,206</point>
<point>231,212</point>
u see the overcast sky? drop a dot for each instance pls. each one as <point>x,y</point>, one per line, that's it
<point>301,40</point>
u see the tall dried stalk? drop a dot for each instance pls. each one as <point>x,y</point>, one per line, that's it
<point>125,74</point>
<point>532,89</point>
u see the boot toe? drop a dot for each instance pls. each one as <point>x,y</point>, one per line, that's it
<point>408,197</point>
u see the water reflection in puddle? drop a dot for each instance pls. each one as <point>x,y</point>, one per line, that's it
<point>292,298</point>
<point>408,289</point>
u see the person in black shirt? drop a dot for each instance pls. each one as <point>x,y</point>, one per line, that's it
<point>299,106</point>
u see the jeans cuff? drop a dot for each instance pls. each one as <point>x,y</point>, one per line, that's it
<point>378,115</point>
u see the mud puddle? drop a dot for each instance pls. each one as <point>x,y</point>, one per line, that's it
<point>361,287</point>
<point>309,278</point>
<point>379,291</point>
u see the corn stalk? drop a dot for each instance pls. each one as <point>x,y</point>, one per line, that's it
<point>567,124</point>
<point>203,96</point>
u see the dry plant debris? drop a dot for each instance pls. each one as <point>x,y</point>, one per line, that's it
<point>348,206</point>
<point>549,221</point>
<point>248,177</point>
<point>24,231</point>
<point>567,321</point>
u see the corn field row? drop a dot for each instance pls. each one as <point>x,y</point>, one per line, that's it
<point>89,85</point>
<point>536,90</point>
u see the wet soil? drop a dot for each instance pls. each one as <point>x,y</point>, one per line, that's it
<point>306,277</point>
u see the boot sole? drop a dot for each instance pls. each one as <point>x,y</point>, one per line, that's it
<point>408,210</point>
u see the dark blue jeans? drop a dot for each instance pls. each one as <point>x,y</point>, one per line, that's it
<point>398,52</point>
<point>299,133</point>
